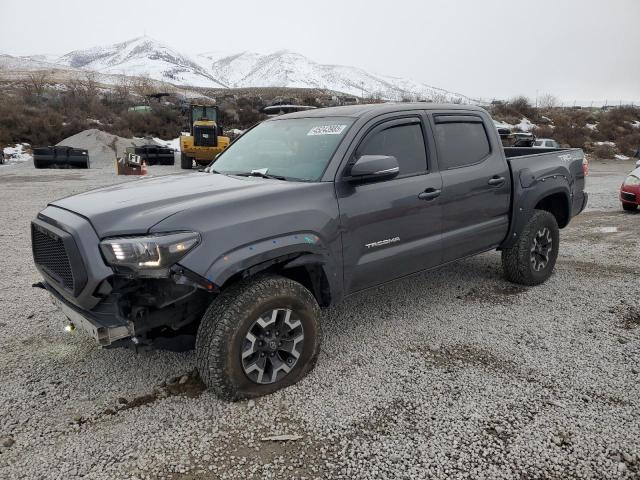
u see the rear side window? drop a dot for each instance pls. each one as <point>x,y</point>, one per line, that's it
<point>461,144</point>
<point>405,142</point>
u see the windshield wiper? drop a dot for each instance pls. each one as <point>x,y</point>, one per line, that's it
<point>262,174</point>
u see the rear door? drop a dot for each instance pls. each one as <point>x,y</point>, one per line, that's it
<point>390,228</point>
<point>476,184</point>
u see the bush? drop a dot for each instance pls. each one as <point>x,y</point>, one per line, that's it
<point>513,110</point>
<point>604,151</point>
<point>629,144</point>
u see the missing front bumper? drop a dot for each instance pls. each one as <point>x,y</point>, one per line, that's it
<point>103,334</point>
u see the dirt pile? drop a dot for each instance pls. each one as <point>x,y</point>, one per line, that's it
<point>103,147</point>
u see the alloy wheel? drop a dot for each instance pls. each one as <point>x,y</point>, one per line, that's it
<point>541,249</point>
<point>272,346</point>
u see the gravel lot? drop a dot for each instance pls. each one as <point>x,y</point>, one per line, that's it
<point>450,374</point>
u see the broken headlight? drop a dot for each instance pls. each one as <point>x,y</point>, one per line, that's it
<point>151,254</point>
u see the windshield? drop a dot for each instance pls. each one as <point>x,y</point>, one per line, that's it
<point>296,149</point>
<point>201,112</point>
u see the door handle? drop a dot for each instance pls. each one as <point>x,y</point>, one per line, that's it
<point>429,194</point>
<point>496,181</point>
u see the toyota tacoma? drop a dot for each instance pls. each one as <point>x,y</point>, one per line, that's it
<point>301,211</point>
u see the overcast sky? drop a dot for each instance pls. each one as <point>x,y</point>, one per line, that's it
<point>574,49</point>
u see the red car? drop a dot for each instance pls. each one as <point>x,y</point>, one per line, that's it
<point>630,191</point>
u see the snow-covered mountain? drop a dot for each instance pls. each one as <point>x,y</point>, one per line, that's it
<point>26,63</point>
<point>145,56</point>
<point>289,69</point>
<point>142,56</point>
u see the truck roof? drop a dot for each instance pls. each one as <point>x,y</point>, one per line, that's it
<point>373,109</point>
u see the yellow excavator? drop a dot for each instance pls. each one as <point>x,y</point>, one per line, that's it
<point>205,139</point>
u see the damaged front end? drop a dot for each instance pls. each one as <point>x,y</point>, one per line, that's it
<point>144,312</point>
<point>138,297</point>
<point>159,312</point>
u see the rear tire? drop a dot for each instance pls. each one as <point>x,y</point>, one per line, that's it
<point>37,164</point>
<point>186,163</point>
<point>629,207</point>
<point>530,261</point>
<point>244,350</point>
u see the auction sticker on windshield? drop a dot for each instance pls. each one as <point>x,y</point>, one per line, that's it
<point>327,130</point>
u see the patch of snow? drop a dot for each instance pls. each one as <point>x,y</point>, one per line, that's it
<point>606,229</point>
<point>621,157</point>
<point>592,126</point>
<point>17,153</point>
<point>175,143</point>
<point>502,124</point>
<point>608,144</point>
<point>525,125</point>
<point>635,124</point>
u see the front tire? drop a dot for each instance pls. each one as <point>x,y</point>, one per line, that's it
<point>629,207</point>
<point>531,260</point>
<point>186,163</point>
<point>257,337</point>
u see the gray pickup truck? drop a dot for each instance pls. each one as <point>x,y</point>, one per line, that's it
<point>299,212</point>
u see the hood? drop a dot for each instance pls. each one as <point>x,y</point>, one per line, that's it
<point>134,207</point>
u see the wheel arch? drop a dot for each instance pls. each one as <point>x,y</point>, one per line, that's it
<point>551,195</point>
<point>558,205</point>
<point>301,257</point>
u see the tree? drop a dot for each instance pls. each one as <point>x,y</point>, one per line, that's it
<point>122,89</point>
<point>547,101</point>
<point>36,82</point>
<point>90,85</point>
<point>142,86</point>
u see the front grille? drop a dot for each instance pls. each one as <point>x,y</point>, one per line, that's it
<point>50,254</point>
<point>631,197</point>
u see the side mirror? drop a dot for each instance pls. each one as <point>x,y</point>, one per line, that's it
<point>374,167</point>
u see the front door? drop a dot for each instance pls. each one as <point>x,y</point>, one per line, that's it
<point>391,228</point>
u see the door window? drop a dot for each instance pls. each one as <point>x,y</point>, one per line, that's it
<point>404,141</point>
<point>461,144</point>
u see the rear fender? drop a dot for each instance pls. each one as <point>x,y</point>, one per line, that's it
<point>527,194</point>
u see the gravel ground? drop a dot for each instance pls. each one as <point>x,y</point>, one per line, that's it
<point>450,374</point>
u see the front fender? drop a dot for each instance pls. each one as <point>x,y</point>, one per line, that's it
<point>282,247</point>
